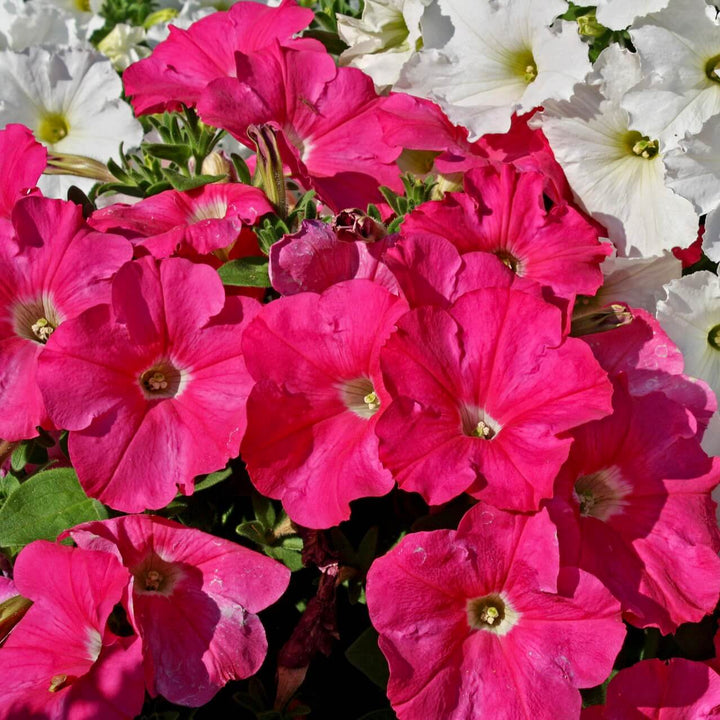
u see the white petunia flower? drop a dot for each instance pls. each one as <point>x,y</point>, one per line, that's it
<point>502,57</point>
<point>70,99</point>
<point>85,13</point>
<point>27,23</point>
<point>637,281</point>
<point>122,45</point>
<point>711,238</point>
<point>679,50</point>
<point>615,172</point>
<point>690,315</point>
<point>618,14</point>
<point>383,39</point>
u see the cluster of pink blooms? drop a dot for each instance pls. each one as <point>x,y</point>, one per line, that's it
<point>443,359</point>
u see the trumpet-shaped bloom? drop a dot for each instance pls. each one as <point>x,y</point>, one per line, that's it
<point>508,56</point>
<point>52,268</point>
<point>193,600</point>
<point>316,257</point>
<point>154,384</point>
<point>208,50</point>
<point>198,221</point>
<point>312,414</point>
<point>636,488</point>
<point>502,212</point>
<point>327,121</point>
<point>483,394</point>
<point>616,171</point>
<point>60,660</point>
<point>70,99</point>
<point>477,623</point>
<point>679,51</point>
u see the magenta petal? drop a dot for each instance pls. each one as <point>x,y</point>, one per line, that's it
<point>198,624</point>
<point>22,160</point>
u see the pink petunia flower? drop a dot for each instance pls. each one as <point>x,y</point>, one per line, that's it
<point>52,268</point>
<point>642,352</point>
<point>22,161</point>
<point>154,384</point>
<point>676,689</point>
<point>633,507</point>
<point>312,414</point>
<point>193,599</point>
<point>502,212</point>
<point>326,119</point>
<point>207,50</point>
<point>316,257</point>
<point>60,661</point>
<point>476,623</point>
<point>483,393</point>
<point>198,221</point>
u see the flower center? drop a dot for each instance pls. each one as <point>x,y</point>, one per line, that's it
<point>712,68</point>
<point>153,580</point>
<point>492,613</point>
<point>508,259</point>
<point>36,320</point>
<point>713,337</point>
<point>58,682</point>
<point>602,494</point>
<point>359,396</point>
<point>162,380</point>
<point>82,5</point>
<point>156,575</point>
<point>641,145</point>
<point>211,210</point>
<point>524,66</point>
<point>476,423</point>
<point>53,127</point>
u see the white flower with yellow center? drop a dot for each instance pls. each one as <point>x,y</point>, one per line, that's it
<point>617,172</point>
<point>503,57</point>
<point>85,14</point>
<point>679,50</point>
<point>384,38</point>
<point>71,100</point>
<point>690,315</point>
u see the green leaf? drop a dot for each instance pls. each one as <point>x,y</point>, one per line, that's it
<point>213,479</point>
<point>179,154</point>
<point>20,456</point>
<point>182,182</point>
<point>45,505</point>
<point>366,656</point>
<point>264,511</point>
<point>246,272</point>
<point>288,557</point>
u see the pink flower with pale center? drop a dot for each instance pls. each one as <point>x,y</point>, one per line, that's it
<point>633,507</point>
<point>316,257</point>
<point>483,394</point>
<point>502,212</point>
<point>22,161</point>
<point>198,221</point>
<point>476,623</point>
<point>60,660</point>
<point>153,385</point>
<point>675,689</point>
<point>193,600</point>
<point>207,52</point>
<point>52,268</point>
<point>326,120</point>
<point>312,414</point>
<point>431,271</point>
